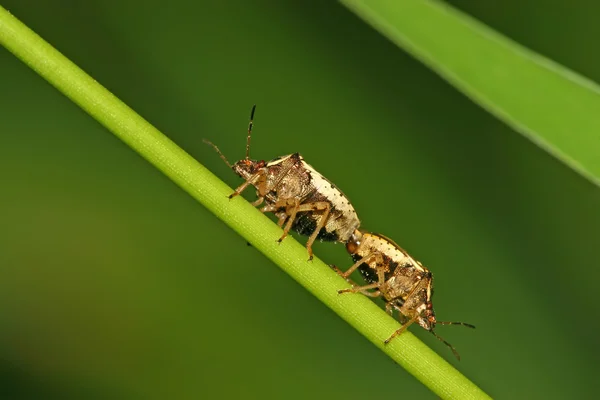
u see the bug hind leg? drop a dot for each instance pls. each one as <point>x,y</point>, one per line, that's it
<point>291,212</point>
<point>292,208</point>
<point>325,208</point>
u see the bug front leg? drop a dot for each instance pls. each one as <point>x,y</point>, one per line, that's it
<point>401,329</point>
<point>252,181</point>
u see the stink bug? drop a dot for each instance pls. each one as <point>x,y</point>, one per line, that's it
<point>300,197</point>
<point>404,283</point>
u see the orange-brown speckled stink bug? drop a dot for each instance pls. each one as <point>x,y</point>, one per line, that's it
<point>404,283</point>
<point>300,197</point>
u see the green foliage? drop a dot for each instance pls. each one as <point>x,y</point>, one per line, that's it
<point>551,105</point>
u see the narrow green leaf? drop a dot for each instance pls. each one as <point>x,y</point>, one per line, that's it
<point>551,105</point>
<point>182,169</point>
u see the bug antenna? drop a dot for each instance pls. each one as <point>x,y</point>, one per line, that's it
<point>455,323</point>
<point>447,344</point>
<point>250,132</point>
<point>218,151</point>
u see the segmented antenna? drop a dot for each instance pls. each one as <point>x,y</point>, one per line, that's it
<point>455,323</point>
<point>250,132</point>
<point>445,342</point>
<point>218,151</point>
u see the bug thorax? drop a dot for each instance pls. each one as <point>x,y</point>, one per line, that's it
<point>353,244</point>
<point>246,168</point>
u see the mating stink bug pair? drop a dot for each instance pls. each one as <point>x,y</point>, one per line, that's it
<point>307,202</point>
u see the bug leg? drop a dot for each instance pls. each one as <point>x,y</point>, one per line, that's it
<point>376,285</point>
<point>282,218</point>
<point>291,217</point>
<point>258,201</point>
<point>253,179</point>
<point>401,329</point>
<point>365,260</point>
<point>407,316</point>
<point>363,290</point>
<point>292,208</point>
<point>341,273</point>
<point>322,221</point>
<point>268,208</point>
<point>389,308</point>
<point>380,269</point>
<point>336,269</point>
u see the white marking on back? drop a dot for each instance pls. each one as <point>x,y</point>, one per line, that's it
<point>338,200</point>
<point>278,161</point>
<point>327,189</point>
<point>429,291</point>
<point>397,253</point>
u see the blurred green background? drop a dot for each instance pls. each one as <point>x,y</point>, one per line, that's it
<point>114,283</point>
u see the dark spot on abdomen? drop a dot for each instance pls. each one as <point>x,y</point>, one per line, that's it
<point>306,224</point>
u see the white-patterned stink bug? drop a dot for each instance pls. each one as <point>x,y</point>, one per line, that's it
<point>404,283</point>
<point>300,197</point>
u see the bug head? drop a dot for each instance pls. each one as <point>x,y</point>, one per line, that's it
<point>425,309</point>
<point>245,167</point>
<point>427,317</point>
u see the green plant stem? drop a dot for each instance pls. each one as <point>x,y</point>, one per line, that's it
<point>181,168</point>
<point>546,102</point>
